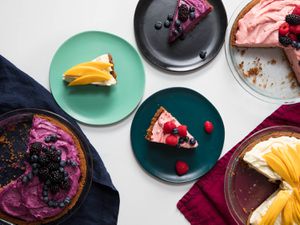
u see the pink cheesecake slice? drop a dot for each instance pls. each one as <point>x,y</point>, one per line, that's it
<point>187,14</point>
<point>259,24</point>
<point>166,129</point>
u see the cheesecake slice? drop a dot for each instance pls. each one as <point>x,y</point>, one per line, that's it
<point>100,71</point>
<point>187,14</point>
<point>166,129</point>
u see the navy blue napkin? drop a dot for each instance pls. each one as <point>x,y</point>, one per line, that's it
<point>18,90</point>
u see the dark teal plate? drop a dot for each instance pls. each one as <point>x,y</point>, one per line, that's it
<point>191,109</point>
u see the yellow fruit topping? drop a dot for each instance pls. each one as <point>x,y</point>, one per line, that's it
<point>84,70</point>
<point>96,64</point>
<point>276,207</point>
<point>88,79</point>
<point>285,161</point>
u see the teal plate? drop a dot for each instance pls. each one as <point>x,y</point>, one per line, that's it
<point>191,109</point>
<point>97,105</point>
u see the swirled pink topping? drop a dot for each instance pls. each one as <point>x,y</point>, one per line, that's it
<point>158,134</point>
<point>24,201</point>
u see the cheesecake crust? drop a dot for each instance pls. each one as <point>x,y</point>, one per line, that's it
<point>159,111</point>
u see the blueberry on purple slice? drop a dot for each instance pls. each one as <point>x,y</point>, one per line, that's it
<point>192,9</point>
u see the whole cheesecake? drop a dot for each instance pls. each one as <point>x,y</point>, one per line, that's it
<point>43,171</point>
<point>264,24</point>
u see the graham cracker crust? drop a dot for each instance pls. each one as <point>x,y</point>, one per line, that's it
<point>113,72</point>
<point>82,181</point>
<point>159,111</point>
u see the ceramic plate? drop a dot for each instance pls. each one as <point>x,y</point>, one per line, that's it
<point>180,56</point>
<point>98,105</point>
<point>263,72</point>
<point>191,109</point>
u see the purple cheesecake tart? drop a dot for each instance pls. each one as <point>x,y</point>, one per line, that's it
<point>188,13</point>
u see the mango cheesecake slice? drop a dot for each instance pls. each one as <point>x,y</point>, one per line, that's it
<point>100,72</point>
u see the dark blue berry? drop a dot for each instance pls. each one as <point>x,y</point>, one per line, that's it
<point>50,203</point>
<point>52,147</point>
<point>177,23</point>
<point>66,174</point>
<point>202,54</point>
<point>175,32</point>
<point>192,15</point>
<point>62,163</point>
<point>167,24</point>
<point>35,172</point>
<point>45,199</point>
<point>73,163</point>
<point>53,138</point>
<point>170,17</point>
<point>29,175</point>
<point>192,9</point>
<point>34,158</point>
<point>67,200</point>
<point>193,141</point>
<point>186,139</point>
<point>56,159</point>
<point>158,25</point>
<point>66,178</point>
<point>179,29</point>
<point>175,131</point>
<point>58,152</point>
<point>181,140</point>
<point>292,19</point>
<point>285,41</point>
<point>34,165</point>
<point>47,139</point>
<point>25,179</point>
<point>45,193</point>
<point>61,205</point>
<point>55,204</point>
<point>61,169</point>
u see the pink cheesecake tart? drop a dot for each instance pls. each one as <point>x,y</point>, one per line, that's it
<point>166,129</point>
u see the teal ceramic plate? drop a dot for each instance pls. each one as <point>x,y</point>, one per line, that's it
<point>98,105</point>
<point>191,109</point>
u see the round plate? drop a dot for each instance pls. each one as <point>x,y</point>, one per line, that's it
<point>179,56</point>
<point>274,82</point>
<point>22,118</point>
<point>241,195</point>
<point>192,109</point>
<point>98,105</point>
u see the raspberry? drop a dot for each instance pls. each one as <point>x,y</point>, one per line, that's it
<point>295,29</point>
<point>296,10</point>
<point>183,12</point>
<point>293,37</point>
<point>181,167</point>
<point>284,29</point>
<point>292,19</point>
<point>208,127</point>
<point>182,130</point>
<point>168,127</point>
<point>172,140</point>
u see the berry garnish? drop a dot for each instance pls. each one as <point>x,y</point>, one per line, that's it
<point>296,45</point>
<point>292,19</point>
<point>168,127</point>
<point>285,41</point>
<point>193,141</point>
<point>295,29</point>
<point>296,10</point>
<point>158,25</point>
<point>202,54</point>
<point>181,167</point>
<point>192,15</point>
<point>192,9</point>
<point>293,37</point>
<point>167,23</point>
<point>208,127</point>
<point>177,23</point>
<point>179,29</point>
<point>175,130</point>
<point>170,17</point>
<point>284,29</point>
<point>183,12</point>
<point>36,148</point>
<point>181,140</point>
<point>172,140</point>
<point>175,32</point>
<point>182,130</point>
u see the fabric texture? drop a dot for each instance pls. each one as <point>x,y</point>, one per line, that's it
<point>204,203</point>
<point>17,91</point>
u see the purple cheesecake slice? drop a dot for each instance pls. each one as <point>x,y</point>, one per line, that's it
<point>188,13</point>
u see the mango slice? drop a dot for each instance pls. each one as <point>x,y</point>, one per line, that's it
<point>84,70</point>
<point>88,79</point>
<point>96,64</point>
<point>276,207</point>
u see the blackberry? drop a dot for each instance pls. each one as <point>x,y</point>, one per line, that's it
<point>43,173</point>
<point>285,41</point>
<point>54,188</point>
<point>292,19</point>
<point>65,185</point>
<point>36,148</point>
<point>56,176</point>
<point>53,166</point>
<point>44,160</point>
<point>183,12</point>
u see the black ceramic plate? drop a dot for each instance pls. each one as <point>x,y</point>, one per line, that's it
<point>192,109</point>
<point>20,120</point>
<point>182,55</point>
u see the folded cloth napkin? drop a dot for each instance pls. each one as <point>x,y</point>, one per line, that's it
<point>204,203</point>
<point>18,90</point>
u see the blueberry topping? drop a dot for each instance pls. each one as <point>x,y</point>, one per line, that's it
<point>55,204</point>
<point>61,169</point>
<point>175,131</point>
<point>158,25</point>
<point>61,205</point>
<point>193,141</point>
<point>67,200</point>
<point>47,139</point>
<point>29,175</point>
<point>53,138</point>
<point>192,15</point>
<point>56,159</point>
<point>50,203</point>
<point>192,9</point>
<point>177,23</point>
<point>66,174</point>
<point>167,24</point>
<point>35,172</point>
<point>25,179</point>
<point>66,178</point>
<point>34,165</point>
<point>45,199</point>
<point>181,140</point>
<point>202,54</point>
<point>34,158</point>
<point>73,163</point>
<point>62,163</point>
<point>170,17</point>
<point>52,147</point>
<point>45,193</point>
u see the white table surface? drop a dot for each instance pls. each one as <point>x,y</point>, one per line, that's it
<point>32,30</point>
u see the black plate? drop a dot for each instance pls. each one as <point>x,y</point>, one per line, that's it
<point>22,117</point>
<point>180,56</point>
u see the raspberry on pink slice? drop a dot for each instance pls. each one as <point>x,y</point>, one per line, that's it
<point>181,167</point>
<point>284,29</point>
<point>295,29</point>
<point>168,127</point>
<point>296,10</point>
<point>182,130</point>
<point>172,140</point>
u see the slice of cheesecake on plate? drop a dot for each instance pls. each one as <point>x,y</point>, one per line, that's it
<point>100,71</point>
<point>187,14</point>
<point>166,129</point>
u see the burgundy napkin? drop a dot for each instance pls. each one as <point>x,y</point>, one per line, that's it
<point>204,203</point>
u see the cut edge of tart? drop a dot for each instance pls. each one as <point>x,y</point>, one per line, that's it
<point>81,184</point>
